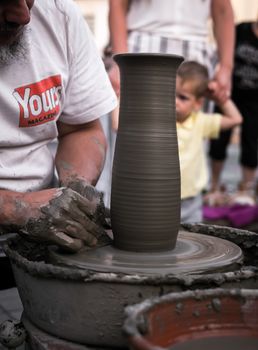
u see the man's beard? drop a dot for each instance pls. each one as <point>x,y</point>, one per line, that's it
<point>16,51</point>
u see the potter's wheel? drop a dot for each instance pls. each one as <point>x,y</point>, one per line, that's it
<point>194,253</point>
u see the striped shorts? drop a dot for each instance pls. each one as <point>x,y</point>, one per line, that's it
<point>200,51</point>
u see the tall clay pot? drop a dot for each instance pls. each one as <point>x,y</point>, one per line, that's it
<point>145,195</point>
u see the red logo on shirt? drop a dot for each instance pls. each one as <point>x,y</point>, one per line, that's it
<point>39,102</point>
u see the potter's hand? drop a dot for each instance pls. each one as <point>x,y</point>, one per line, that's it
<point>95,197</point>
<point>68,219</point>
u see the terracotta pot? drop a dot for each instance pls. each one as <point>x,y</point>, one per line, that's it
<point>145,196</point>
<point>193,320</point>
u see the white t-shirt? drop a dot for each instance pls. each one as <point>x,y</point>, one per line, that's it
<point>176,19</point>
<point>63,78</point>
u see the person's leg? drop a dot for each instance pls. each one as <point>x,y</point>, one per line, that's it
<point>218,154</point>
<point>249,140</point>
<point>248,176</point>
<point>216,170</point>
<point>191,209</point>
<point>216,195</point>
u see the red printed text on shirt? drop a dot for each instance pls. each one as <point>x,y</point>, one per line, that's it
<point>39,102</point>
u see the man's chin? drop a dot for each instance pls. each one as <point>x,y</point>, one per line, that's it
<point>13,47</point>
<point>4,41</point>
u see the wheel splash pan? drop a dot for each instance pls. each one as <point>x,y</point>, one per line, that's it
<point>87,307</point>
<point>201,319</point>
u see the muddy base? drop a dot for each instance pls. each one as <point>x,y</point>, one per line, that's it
<point>32,251</point>
<point>96,300</point>
<point>39,340</point>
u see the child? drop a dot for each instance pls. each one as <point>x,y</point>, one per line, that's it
<point>193,126</point>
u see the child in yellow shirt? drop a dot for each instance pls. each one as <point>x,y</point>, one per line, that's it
<point>193,126</point>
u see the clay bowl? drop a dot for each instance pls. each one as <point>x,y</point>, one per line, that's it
<point>87,307</point>
<point>193,320</point>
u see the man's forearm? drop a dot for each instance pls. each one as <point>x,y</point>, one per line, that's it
<point>11,210</point>
<point>224,31</point>
<point>81,153</point>
<point>17,207</point>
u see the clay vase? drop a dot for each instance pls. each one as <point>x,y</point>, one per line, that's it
<point>145,193</point>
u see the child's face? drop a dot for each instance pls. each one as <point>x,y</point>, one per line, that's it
<point>186,101</point>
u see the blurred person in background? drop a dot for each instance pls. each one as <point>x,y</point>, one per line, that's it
<point>176,27</point>
<point>244,94</point>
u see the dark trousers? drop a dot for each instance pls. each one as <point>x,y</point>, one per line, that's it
<point>249,136</point>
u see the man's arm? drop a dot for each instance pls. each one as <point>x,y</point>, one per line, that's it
<point>16,208</point>
<point>224,32</point>
<point>63,216</point>
<point>81,152</point>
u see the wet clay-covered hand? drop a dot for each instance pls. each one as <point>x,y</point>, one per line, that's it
<point>94,196</point>
<point>69,220</point>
